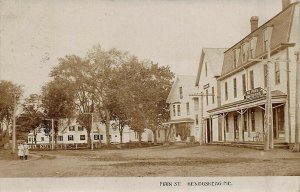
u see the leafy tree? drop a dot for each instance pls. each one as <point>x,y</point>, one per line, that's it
<point>103,76</point>
<point>113,84</point>
<point>8,93</point>
<point>31,116</point>
<point>71,94</point>
<point>142,93</point>
<point>158,86</point>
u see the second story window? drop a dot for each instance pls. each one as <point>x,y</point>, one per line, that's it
<point>180,92</point>
<point>196,104</point>
<point>187,108</point>
<point>178,110</point>
<point>196,119</point>
<point>226,91</point>
<point>234,88</point>
<point>277,73</point>
<point>251,80</point>
<point>244,83</point>
<point>174,110</point>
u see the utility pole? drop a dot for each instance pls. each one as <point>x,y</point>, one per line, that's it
<point>14,140</point>
<point>201,142</point>
<point>297,116</point>
<point>268,122</point>
<point>52,134</point>
<point>268,106</point>
<point>92,139</point>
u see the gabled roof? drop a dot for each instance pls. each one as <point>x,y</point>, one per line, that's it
<point>281,24</point>
<point>214,57</point>
<point>185,79</point>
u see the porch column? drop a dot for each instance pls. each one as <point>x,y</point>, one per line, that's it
<point>224,127</point>
<point>249,123</point>
<point>204,131</point>
<point>201,123</point>
<point>166,132</point>
<point>210,130</point>
<point>276,124</point>
<point>241,127</point>
<point>219,128</point>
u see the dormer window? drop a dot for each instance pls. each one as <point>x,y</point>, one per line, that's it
<point>252,47</point>
<point>267,37</point>
<point>234,59</point>
<point>245,52</point>
<point>236,54</point>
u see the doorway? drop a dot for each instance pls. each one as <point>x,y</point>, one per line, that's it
<point>209,132</point>
<point>278,122</point>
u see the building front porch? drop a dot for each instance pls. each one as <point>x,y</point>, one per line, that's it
<point>244,121</point>
<point>179,130</point>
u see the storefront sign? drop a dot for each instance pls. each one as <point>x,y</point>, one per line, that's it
<point>254,93</point>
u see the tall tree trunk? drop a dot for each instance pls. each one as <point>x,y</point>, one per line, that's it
<point>34,136</point>
<point>107,126</point>
<point>89,141</point>
<point>55,137</point>
<point>140,138</point>
<point>155,136</point>
<point>121,128</point>
<point>100,143</point>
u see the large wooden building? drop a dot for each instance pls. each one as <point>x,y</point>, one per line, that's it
<point>231,85</point>
<point>243,82</point>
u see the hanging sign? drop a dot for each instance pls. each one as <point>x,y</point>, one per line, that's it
<point>254,93</point>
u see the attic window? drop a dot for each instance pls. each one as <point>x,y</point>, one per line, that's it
<point>180,93</point>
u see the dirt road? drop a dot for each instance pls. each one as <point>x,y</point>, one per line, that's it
<point>175,160</point>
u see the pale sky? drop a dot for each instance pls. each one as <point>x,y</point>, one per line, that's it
<point>33,34</point>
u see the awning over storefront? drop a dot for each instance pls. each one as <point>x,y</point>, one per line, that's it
<point>247,103</point>
<point>182,120</point>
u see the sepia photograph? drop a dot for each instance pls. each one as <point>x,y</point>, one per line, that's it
<point>152,95</point>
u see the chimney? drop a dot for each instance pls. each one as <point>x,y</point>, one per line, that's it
<point>254,23</point>
<point>285,3</point>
